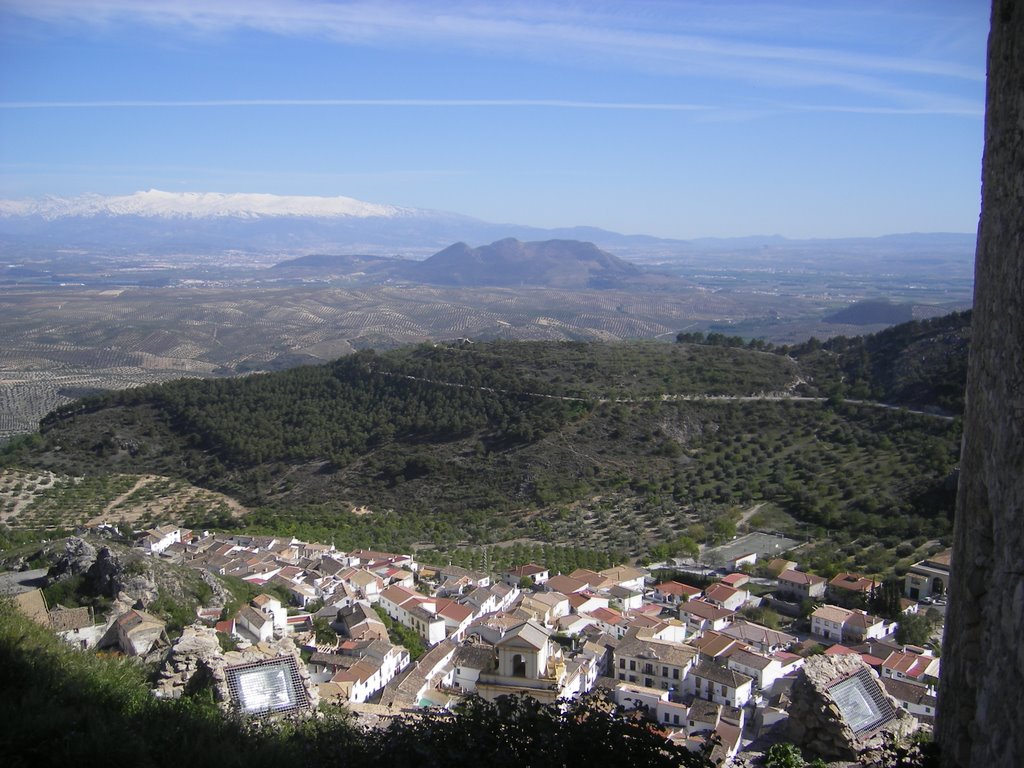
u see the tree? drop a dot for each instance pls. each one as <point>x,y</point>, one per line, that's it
<point>913,629</point>
<point>885,599</point>
<point>517,731</point>
<point>322,631</point>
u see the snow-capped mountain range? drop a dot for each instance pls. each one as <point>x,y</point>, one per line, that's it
<point>201,205</point>
<point>155,220</point>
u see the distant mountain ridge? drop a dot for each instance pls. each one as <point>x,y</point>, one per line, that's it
<point>568,264</point>
<point>156,220</point>
<point>509,262</point>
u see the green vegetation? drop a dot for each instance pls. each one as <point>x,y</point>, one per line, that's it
<point>763,616</point>
<point>402,635</point>
<point>559,559</point>
<point>475,447</point>
<point>322,632</point>
<point>242,592</point>
<point>915,629</point>
<point>921,364</point>
<point>783,755</point>
<point>59,706</point>
<point>67,592</point>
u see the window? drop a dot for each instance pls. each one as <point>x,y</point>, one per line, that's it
<point>675,719</point>
<point>621,676</point>
<point>666,717</point>
<point>675,673</point>
<point>518,665</point>
<point>632,665</point>
<point>648,682</point>
<point>622,663</point>
<point>632,678</point>
<point>664,671</point>
<point>723,690</point>
<point>648,669</point>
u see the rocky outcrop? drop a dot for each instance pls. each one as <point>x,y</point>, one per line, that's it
<point>194,658</point>
<point>817,721</point>
<point>104,576</point>
<point>221,596</point>
<point>78,557</point>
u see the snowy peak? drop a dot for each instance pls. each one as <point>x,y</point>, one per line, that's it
<point>155,203</point>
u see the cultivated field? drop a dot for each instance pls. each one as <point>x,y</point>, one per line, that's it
<point>64,342</point>
<point>43,500</point>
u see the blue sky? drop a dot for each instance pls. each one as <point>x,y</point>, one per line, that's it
<point>678,119</point>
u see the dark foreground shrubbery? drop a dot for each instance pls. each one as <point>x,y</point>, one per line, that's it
<point>62,707</point>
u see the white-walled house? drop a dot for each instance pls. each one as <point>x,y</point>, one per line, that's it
<point>798,585</point>
<point>700,616</point>
<point>764,670</point>
<point>532,572</point>
<point>272,606</point>
<point>762,638</point>
<point>918,668</point>
<point>827,622</point>
<point>415,611</point>
<point>675,592</point>
<point>156,540</point>
<point>546,607</point>
<point>256,623</point>
<point>842,624</point>
<point>626,576</point>
<point>470,660</point>
<point>719,684</point>
<point>627,598</point>
<point>725,596</point>
<point>640,658</point>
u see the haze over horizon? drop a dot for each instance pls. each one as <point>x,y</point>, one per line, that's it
<point>678,120</point>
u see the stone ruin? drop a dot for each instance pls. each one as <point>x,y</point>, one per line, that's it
<point>839,709</point>
<point>196,660</point>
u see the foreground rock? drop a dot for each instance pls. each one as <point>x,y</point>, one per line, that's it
<point>196,661</point>
<point>840,711</point>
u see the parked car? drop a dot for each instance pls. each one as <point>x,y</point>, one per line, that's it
<point>926,601</point>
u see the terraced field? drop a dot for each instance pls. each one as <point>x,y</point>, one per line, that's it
<point>45,501</point>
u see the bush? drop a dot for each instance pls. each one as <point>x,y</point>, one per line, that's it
<point>783,756</point>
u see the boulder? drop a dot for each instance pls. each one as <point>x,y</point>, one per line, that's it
<point>840,710</point>
<point>78,557</point>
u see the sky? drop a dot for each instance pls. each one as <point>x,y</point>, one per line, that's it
<point>664,117</point>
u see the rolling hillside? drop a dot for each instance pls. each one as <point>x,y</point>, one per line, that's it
<point>621,447</point>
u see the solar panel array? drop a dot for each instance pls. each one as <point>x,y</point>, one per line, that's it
<point>267,687</point>
<point>862,702</point>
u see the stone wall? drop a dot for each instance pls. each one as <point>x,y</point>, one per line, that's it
<point>980,708</point>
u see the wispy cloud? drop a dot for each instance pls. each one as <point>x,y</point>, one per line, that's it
<point>544,103</point>
<point>703,111</point>
<point>655,33</point>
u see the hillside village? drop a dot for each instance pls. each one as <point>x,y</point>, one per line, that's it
<point>385,635</point>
